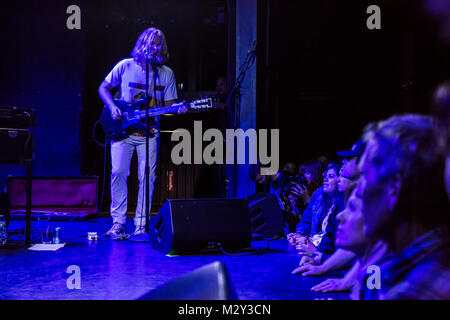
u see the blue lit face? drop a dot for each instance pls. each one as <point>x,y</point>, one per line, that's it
<point>155,49</point>
<point>155,46</point>
<point>350,233</point>
<point>308,175</point>
<point>348,175</point>
<point>375,195</point>
<point>330,180</point>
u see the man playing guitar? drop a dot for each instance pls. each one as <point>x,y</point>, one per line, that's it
<point>129,74</point>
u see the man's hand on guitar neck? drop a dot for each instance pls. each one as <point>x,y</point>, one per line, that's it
<point>182,109</point>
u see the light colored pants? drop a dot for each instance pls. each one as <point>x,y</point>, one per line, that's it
<point>121,154</point>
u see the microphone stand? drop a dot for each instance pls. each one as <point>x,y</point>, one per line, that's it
<point>236,93</point>
<point>147,166</point>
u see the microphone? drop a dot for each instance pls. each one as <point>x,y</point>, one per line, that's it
<point>152,57</point>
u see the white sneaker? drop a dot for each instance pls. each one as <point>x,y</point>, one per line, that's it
<point>139,231</point>
<point>117,232</point>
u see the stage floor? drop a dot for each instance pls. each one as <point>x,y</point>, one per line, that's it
<point>127,270</point>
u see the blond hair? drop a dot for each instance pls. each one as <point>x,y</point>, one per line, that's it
<point>144,42</point>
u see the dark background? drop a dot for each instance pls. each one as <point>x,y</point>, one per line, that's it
<point>321,74</point>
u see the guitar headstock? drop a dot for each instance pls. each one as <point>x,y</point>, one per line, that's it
<point>201,104</point>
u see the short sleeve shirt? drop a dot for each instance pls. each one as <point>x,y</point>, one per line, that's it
<point>131,78</point>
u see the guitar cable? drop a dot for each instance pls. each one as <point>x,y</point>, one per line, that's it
<point>93,135</point>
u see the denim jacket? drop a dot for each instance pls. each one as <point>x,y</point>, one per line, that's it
<point>313,215</point>
<point>327,245</point>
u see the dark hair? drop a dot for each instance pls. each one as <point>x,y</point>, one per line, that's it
<point>334,166</point>
<point>315,167</point>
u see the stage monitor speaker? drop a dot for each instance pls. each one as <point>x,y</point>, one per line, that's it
<point>196,225</point>
<point>265,215</point>
<point>210,282</point>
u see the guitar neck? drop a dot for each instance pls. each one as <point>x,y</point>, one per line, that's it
<point>159,111</point>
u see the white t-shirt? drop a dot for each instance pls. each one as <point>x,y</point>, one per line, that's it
<point>131,78</point>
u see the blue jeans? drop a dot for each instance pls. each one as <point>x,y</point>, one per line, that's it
<point>121,154</point>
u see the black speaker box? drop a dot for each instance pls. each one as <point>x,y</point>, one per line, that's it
<point>14,117</point>
<point>210,282</point>
<point>196,225</point>
<point>16,145</point>
<point>265,215</point>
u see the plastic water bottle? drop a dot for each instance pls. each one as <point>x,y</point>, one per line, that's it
<point>2,230</point>
<point>57,235</point>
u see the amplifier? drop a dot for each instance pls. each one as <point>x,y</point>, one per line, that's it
<point>13,117</point>
<point>17,145</point>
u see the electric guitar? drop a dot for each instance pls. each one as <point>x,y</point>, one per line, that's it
<point>132,115</point>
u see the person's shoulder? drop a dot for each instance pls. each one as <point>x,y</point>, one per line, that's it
<point>427,279</point>
<point>166,70</point>
<point>124,63</point>
<point>318,191</point>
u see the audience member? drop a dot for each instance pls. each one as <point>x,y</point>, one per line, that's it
<point>311,179</point>
<point>324,202</point>
<point>303,186</point>
<point>327,258</point>
<point>289,167</point>
<point>348,178</point>
<point>349,175</point>
<point>405,205</point>
<point>350,237</point>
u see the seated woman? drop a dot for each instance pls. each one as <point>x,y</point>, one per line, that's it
<point>305,184</point>
<point>351,237</point>
<point>324,202</point>
<point>301,187</point>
